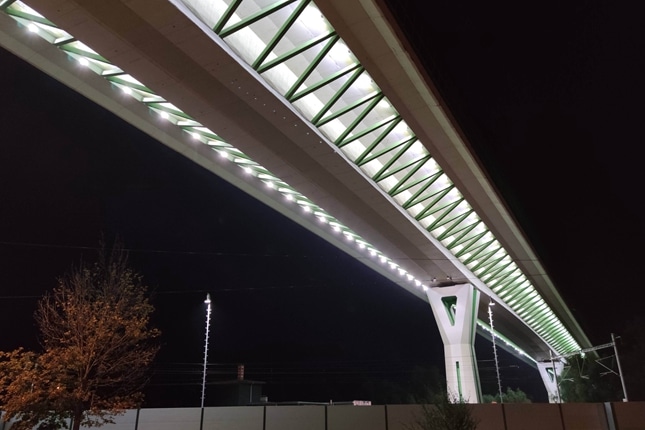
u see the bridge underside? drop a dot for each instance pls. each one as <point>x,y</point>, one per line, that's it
<point>202,77</point>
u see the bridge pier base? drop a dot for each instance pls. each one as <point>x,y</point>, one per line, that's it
<point>549,376</point>
<point>455,310</point>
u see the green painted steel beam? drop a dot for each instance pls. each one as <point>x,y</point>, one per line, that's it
<point>5,4</point>
<point>387,171</point>
<point>352,78</point>
<point>91,55</point>
<point>333,38</point>
<point>286,25</point>
<point>464,236</point>
<point>424,181</point>
<point>371,101</point>
<point>368,99</point>
<point>226,16</point>
<point>370,129</point>
<point>365,156</point>
<point>324,82</point>
<point>430,207</point>
<point>446,211</point>
<point>297,51</point>
<point>29,17</point>
<point>455,220</point>
<point>227,31</point>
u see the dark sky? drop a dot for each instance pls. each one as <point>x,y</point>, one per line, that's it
<point>551,99</point>
<point>550,103</point>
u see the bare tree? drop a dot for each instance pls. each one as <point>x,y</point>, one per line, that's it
<point>98,344</point>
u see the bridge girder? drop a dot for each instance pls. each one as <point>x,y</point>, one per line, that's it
<point>200,75</point>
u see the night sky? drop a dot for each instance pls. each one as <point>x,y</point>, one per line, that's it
<point>553,111</point>
<point>551,101</point>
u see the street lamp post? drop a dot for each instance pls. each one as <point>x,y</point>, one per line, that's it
<point>492,333</point>
<point>208,323</point>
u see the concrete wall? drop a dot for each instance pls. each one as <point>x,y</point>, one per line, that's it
<point>533,416</point>
<point>585,416</point>
<point>295,417</point>
<point>489,416</point>
<point>542,416</point>
<point>629,416</point>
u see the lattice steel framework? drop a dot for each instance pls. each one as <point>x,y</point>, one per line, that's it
<point>295,50</point>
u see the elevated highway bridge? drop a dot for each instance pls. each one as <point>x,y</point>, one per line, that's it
<point>322,111</point>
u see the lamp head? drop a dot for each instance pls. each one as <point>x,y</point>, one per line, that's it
<point>208,299</point>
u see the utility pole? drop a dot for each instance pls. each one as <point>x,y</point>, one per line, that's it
<point>208,323</point>
<point>492,332</point>
<point>595,348</point>
<point>620,370</point>
<point>555,377</point>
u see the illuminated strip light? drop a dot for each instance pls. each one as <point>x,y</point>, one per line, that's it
<point>504,339</point>
<point>251,52</point>
<point>169,112</point>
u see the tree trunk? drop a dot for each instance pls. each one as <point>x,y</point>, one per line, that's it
<point>77,418</point>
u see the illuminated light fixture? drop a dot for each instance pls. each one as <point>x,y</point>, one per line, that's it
<point>164,115</point>
<point>410,277</point>
<point>314,19</point>
<point>32,27</point>
<point>247,170</point>
<point>402,128</point>
<point>361,245</point>
<point>384,105</point>
<point>425,287</point>
<point>341,54</point>
<point>365,82</point>
<point>223,154</point>
<point>336,228</point>
<point>126,90</point>
<point>289,197</point>
<point>372,252</point>
<point>83,62</point>
<point>383,259</point>
<point>306,208</point>
<point>417,283</point>
<point>269,184</point>
<point>195,135</point>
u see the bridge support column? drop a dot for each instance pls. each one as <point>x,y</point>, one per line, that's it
<point>455,310</point>
<point>549,376</point>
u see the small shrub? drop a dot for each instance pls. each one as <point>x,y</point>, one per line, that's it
<point>446,413</point>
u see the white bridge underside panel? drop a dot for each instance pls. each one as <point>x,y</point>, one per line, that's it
<point>181,62</point>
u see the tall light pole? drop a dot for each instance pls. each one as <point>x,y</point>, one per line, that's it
<point>555,376</point>
<point>620,370</point>
<point>208,323</point>
<point>492,333</point>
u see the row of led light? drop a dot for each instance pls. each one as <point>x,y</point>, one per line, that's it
<point>224,149</point>
<point>197,131</point>
<point>507,342</point>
